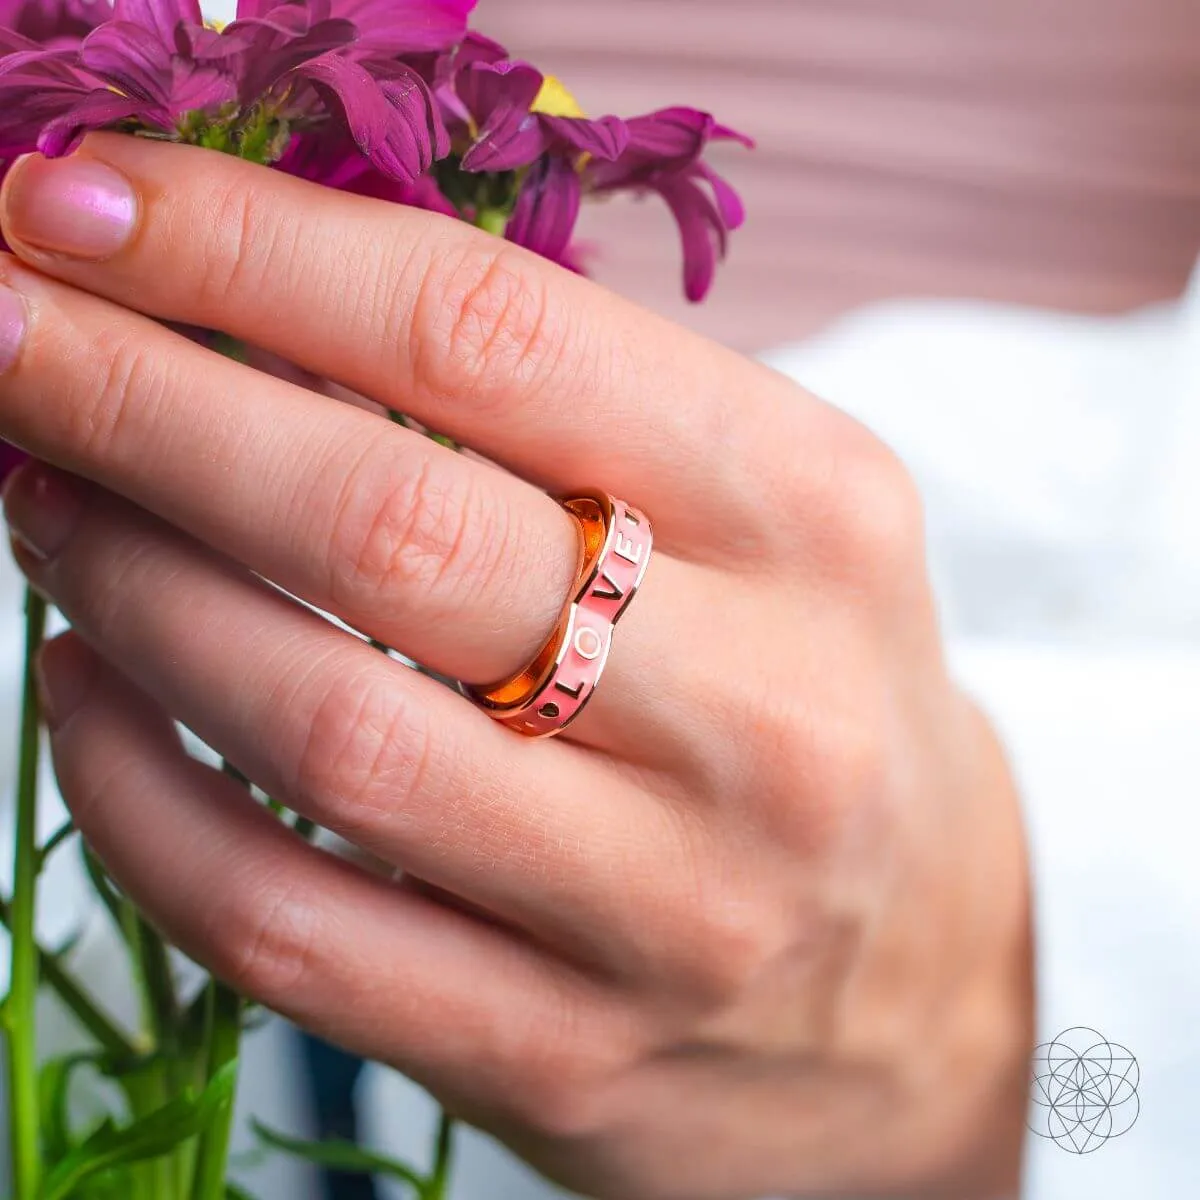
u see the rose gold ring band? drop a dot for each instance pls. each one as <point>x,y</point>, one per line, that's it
<point>543,698</point>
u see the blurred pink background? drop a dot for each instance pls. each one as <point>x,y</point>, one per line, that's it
<point>1042,151</point>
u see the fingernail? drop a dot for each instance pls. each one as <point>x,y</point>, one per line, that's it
<point>64,671</point>
<point>74,206</point>
<point>42,506</point>
<point>14,320</point>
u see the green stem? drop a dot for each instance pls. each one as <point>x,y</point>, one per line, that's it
<point>56,977</point>
<point>439,1181</point>
<point>160,1004</point>
<point>161,1015</point>
<point>492,220</point>
<point>20,1007</point>
<point>306,828</point>
<point>223,1035</point>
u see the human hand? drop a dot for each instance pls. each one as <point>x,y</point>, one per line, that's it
<point>757,924</point>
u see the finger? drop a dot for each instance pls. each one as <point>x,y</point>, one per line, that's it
<point>536,368</point>
<point>457,564</point>
<point>389,759</point>
<point>460,566</point>
<point>375,968</point>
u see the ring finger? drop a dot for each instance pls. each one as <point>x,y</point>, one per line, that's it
<point>391,760</point>
<point>459,565</point>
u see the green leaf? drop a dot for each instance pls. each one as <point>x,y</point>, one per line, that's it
<point>112,899</point>
<point>337,1155</point>
<point>56,839</point>
<point>234,1192</point>
<point>156,1134</point>
<point>54,1088</point>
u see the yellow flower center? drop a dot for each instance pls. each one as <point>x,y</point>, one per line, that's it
<point>555,100</point>
<point>215,25</point>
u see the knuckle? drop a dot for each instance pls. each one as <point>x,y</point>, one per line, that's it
<point>822,764</point>
<point>108,590</point>
<point>559,1106</point>
<point>131,382</point>
<point>560,1062</point>
<point>366,751</point>
<point>267,944</point>
<point>563,1088</point>
<point>254,245</point>
<point>877,513</point>
<point>424,531</point>
<point>851,765</point>
<point>719,930</point>
<point>736,939</point>
<point>94,785</point>
<point>483,322</point>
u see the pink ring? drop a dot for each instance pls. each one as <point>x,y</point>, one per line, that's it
<point>621,565</point>
<point>586,643</point>
<point>558,691</point>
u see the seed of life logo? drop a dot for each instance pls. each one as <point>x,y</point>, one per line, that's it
<point>1084,1091</point>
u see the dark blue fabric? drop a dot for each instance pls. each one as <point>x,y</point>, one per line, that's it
<point>332,1076</point>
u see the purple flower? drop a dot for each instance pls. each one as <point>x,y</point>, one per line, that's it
<point>401,27</point>
<point>665,156</point>
<point>334,161</point>
<point>547,208</point>
<point>155,68</point>
<point>510,114</point>
<point>392,99</point>
<point>505,117</point>
<point>51,23</point>
<point>10,459</point>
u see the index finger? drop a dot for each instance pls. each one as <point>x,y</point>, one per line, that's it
<point>543,371</point>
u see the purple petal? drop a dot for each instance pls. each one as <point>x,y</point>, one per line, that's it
<point>99,110</point>
<point>392,120</point>
<point>604,137</point>
<point>12,42</point>
<point>53,22</point>
<point>159,16</point>
<point>327,156</point>
<point>288,17</point>
<point>670,133</point>
<point>477,48</point>
<point>494,90</point>
<point>722,133</point>
<point>547,209</point>
<point>54,65</point>
<point>421,193</point>
<point>449,68</point>
<point>122,53</point>
<point>330,158</point>
<point>701,230</point>
<point>407,26</point>
<point>729,203</point>
<point>253,10</point>
<point>267,63</point>
<point>11,457</point>
<point>36,91</point>
<point>499,97</point>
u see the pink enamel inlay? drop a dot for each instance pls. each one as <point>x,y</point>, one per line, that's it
<point>570,684</point>
<point>622,564</point>
<point>587,630</point>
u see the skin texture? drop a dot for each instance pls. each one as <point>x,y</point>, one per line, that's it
<point>758,926</point>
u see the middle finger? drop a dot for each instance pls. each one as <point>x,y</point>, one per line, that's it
<point>455,563</point>
<point>355,514</point>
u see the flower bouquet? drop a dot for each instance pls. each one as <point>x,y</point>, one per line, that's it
<point>392,99</point>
